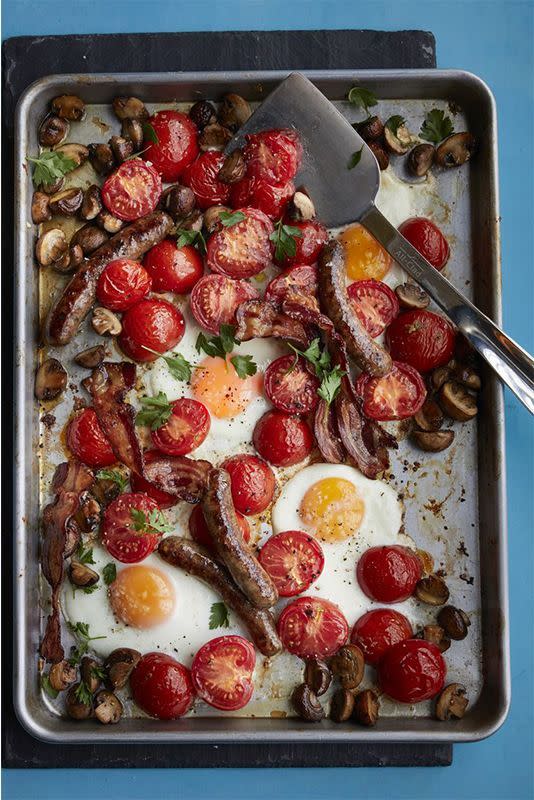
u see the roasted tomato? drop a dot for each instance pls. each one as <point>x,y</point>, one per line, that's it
<point>422,339</point>
<point>87,441</point>
<point>388,574</point>
<point>127,531</point>
<point>282,439</point>
<point>222,672</point>
<point>312,239</point>
<point>374,304</point>
<point>140,484</point>
<point>215,298</point>
<point>172,268</point>
<point>199,529</point>
<point>132,191</point>
<point>272,200</point>
<point>297,280</point>
<point>201,177</point>
<point>252,483</point>
<point>176,147</point>
<point>152,324</point>
<point>162,687</point>
<point>311,627</point>
<point>427,239</point>
<point>412,671</point>
<point>294,560</point>
<point>273,156</point>
<point>397,395</point>
<point>185,430</point>
<point>244,249</point>
<point>290,386</point>
<point>122,284</point>
<point>378,630</point>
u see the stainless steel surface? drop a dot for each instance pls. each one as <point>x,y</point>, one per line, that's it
<point>461,505</point>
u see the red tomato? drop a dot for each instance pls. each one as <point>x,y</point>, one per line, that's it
<point>282,439</point>
<point>290,386</point>
<point>177,144</point>
<point>173,268</point>
<point>412,671</point>
<point>378,630</point>
<point>201,177</point>
<point>374,304</point>
<point>154,324</point>
<point>88,442</point>
<point>122,284</point>
<point>215,298</point>
<point>244,249</point>
<point>311,627</point>
<point>294,560</point>
<point>162,686</point>
<point>427,239</point>
<point>301,279</point>
<point>200,533</point>
<point>252,481</point>
<point>132,191</point>
<point>140,484</point>
<point>273,156</point>
<point>397,395</point>
<point>422,339</point>
<point>388,574</point>
<point>185,430</point>
<point>119,533</point>
<point>222,672</point>
<point>272,200</point>
<point>309,244</point>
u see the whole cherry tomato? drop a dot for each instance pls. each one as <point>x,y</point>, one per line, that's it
<point>397,395</point>
<point>243,249</point>
<point>151,324</point>
<point>290,386</point>
<point>252,482</point>
<point>185,430</point>
<point>122,284</point>
<point>162,686</point>
<point>378,630</point>
<point>273,156</point>
<point>202,177</point>
<point>127,531</point>
<point>311,627</point>
<point>412,671</point>
<point>282,439</point>
<point>215,298</point>
<point>272,200</point>
<point>199,529</point>
<point>422,339</point>
<point>132,191</point>
<point>427,239</point>
<point>388,574</point>
<point>313,237</point>
<point>293,559</point>
<point>140,484</point>
<point>222,672</point>
<point>176,145</point>
<point>87,441</point>
<point>172,268</point>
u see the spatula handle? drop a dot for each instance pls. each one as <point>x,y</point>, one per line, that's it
<point>513,365</point>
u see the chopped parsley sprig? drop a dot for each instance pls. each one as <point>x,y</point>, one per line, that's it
<point>153,522</point>
<point>219,347</point>
<point>284,238</point>
<point>113,475</point>
<point>187,236</point>
<point>230,218</point>
<point>329,377</point>
<point>51,165</point>
<point>436,126</point>
<point>155,411</point>
<point>81,632</point>
<point>362,98</point>
<point>219,616</point>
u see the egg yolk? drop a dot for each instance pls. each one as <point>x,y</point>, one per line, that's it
<point>142,596</point>
<point>364,257</point>
<point>333,509</point>
<point>216,384</point>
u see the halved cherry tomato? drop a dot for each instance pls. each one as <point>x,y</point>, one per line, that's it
<point>88,442</point>
<point>388,574</point>
<point>244,249</point>
<point>273,156</point>
<point>119,533</point>
<point>301,279</point>
<point>308,245</point>
<point>311,627</point>
<point>222,672</point>
<point>140,484</point>
<point>151,324</point>
<point>272,200</point>
<point>122,284</point>
<point>173,268</point>
<point>427,239</point>
<point>378,630</point>
<point>294,560</point>
<point>162,686</point>
<point>185,430</point>
<point>412,671</point>
<point>252,483</point>
<point>215,298</point>
<point>422,339</point>
<point>132,191</point>
<point>290,386</point>
<point>176,147</point>
<point>374,304</point>
<point>201,177</point>
<point>199,529</point>
<point>282,439</point>
<point>397,395</point>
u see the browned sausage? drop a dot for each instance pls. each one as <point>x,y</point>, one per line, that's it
<point>232,550</point>
<point>193,559</point>
<point>71,308</point>
<point>368,354</point>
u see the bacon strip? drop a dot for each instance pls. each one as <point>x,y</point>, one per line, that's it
<point>260,319</point>
<point>363,439</point>
<point>183,477</point>
<point>327,435</point>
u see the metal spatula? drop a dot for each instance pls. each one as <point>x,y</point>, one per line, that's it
<point>342,196</point>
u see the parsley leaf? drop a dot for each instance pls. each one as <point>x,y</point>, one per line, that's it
<point>436,126</point>
<point>219,616</point>
<point>51,165</point>
<point>195,238</point>
<point>98,672</point>
<point>217,346</point>
<point>112,475</point>
<point>84,556</point>
<point>284,237</point>
<point>362,98</point>
<point>109,573</point>
<point>244,365</point>
<point>155,411</point>
<point>329,376</point>
<point>394,123</point>
<point>179,367</point>
<point>87,589</point>
<point>82,694</point>
<point>149,133</point>
<point>229,218</point>
<point>155,522</point>
<point>330,384</point>
<point>355,158</point>
<point>47,687</point>
<point>81,631</point>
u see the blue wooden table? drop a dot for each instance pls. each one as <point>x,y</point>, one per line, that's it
<point>494,40</point>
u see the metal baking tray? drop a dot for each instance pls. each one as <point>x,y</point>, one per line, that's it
<point>455,501</point>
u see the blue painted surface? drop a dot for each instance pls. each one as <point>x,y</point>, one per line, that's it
<point>494,40</point>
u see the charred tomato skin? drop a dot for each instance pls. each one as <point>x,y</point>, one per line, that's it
<point>311,627</point>
<point>162,686</point>
<point>290,386</point>
<point>427,238</point>
<point>122,284</point>
<point>252,483</point>
<point>412,671</point>
<point>272,200</point>
<point>422,339</point>
<point>282,439</point>
<point>273,156</point>
<point>202,177</point>
<point>151,323</point>
<point>378,630</point>
<point>88,442</point>
<point>177,145</point>
<point>388,574</point>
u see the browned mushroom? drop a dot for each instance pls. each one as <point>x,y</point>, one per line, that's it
<point>306,704</point>
<point>397,137</point>
<point>212,218</point>
<point>202,113</point>
<point>105,322</point>
<point>92,357</point>
<point>467,376</point>
<point>421,159</point>
<point>454,622</point>
<point>108,222</point>
<point>92,203</point>
<point>457,402</point>
<point>101,158</point>
<point>78,153</point>
<point>53,131</point>
<point>426,560</point>
<point>69,106</point>
<point>411,296</point>
<point>214,137</point>
<point>40,208</point>
<point>82,574</point>
<point>104,490</point>
<point>342,705</point>
<point>366,707</point>
<point>179,201</point>
<point>121,148</point>
<point>370,129</point>
<point>301,207</point>
<point>432,590</point>
<point>455,150</point>
<point>54,187</point>
<point>317,675</point>
<point>91,673</point>
<point>88,515</point>
<point>433,441</point>
<point>380,154</point>
<point>349,665</point>
<point>452,702</point>
<point>108,707</point>
<point>234,168</point>
<point>430,416</point>
<point>90,238</point>
<point>62,674</point>
<point>130,108</point>
<point>193,222</point>
<point>50,247</point>
<point>75,256</point>
<point>436,635</point>
<point>119,666</point>
<point>78,702</point>
<point>50,380</point>
<point>438,377</point>
<point>234,111</point>
<point>66,202</point>
<point>132,129</point>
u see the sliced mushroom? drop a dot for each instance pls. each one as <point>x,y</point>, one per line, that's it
<point>63,264</point>
<point>104,491</point>
<point>90,238</point>
<point>430,416</point>
<point>342,705</point>
<point>78,153</point>
<point>122,148</point>
<point>411,296</point>
<point>317,675</point>
<point>457,402</point>
<point>77,708</point>
<point>436,635</point>
<point>92,203</point>
<point>69,106</point>
<point>89,673</point>
<point>214,137</point>
<point>50,247</point>
<point>88,515</point>
<point>202,113</point>
<point>366,707</point>
<point>108,707</point>
<point>306,704</point>
<point>82,575</point>
<point>193,221</point>
<point>432,590</point>
<point>426,560</point>
<point>421,159</point>
<point>54,187</point>
<point>75,256</point>
<point>455,150</point>
<point>40,208</point>
<point>108,222</point>
<point>234,111</point>
<point>398,141</point>
<point>380,154</point>
<point>119,666</point>
<point>179,201</point>
<point>130,108</point>
<point>452,702</point>
<point>53,131</point>
<point>438,377</point>
<point>467,377</point>
<point>301,207</point>
<point>132,129</point>
<point>370,129</point>
<point>50,380</point>
<point>92,357</point>
<point>454,622</point>
<point>212,218</point>
<point>349,665</point>
<point>101,158</point>
<point>433,441</point>
<point>105,322</point>
<point>62,674</point>
<point>67,202</point>
<point>234,168</point>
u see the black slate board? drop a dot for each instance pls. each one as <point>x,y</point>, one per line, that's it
<point>26,59</point>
